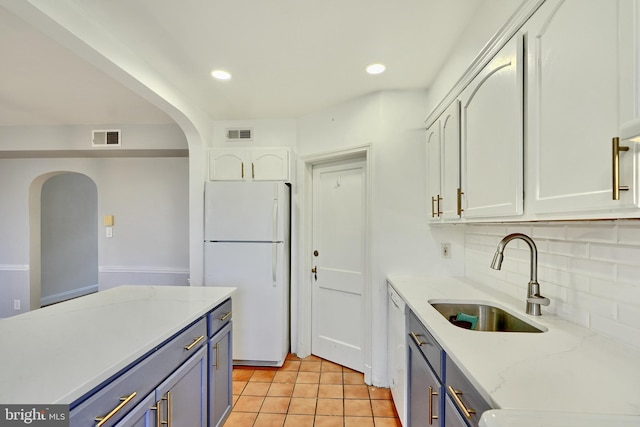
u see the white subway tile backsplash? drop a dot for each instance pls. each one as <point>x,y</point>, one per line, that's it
<point>590,270</point>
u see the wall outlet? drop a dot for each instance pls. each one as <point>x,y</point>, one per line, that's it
<point>16,304</point>
<point>445,250</point>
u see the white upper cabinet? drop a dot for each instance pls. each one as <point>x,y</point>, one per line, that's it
<point>491,137</point>
<point>249,164</point>
<point>580,90</point>
<point>443,162</point>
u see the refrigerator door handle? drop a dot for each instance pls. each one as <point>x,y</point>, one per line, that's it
<point>274,228</point>
<point>274,262</point>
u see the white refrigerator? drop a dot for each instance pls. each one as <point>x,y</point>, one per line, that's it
<point>246,243</point>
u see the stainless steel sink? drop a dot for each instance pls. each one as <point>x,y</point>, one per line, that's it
<point>489,317</point>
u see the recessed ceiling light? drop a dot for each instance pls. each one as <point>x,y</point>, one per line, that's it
<point>221,74</point>
<point>376,68</point>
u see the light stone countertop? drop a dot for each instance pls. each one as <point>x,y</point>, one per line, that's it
<point>568,368</point>
<point>59,353</point>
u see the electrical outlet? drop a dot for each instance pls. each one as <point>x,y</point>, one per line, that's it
<point>16,304</point>
<point>445,250</point>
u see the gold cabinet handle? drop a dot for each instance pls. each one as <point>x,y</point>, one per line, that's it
<point>439,199</point>
<point>253,171</point>
<point>617,148</point>
<point>431,416</point>
<point>168,409</point>
<point>158,408</point>
<point>225,317</point>
<point>433,211</point>
<point>217,364</point>
<point>460,210</point>
<point>242,169</point>
<point>194,343</point>
<point>123,401</point>
<point>416,339</point>
<point>468,412</point>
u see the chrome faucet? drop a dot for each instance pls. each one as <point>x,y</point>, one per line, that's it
<point>534,299</point>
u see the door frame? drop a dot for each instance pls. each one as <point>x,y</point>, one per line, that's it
<point>302,335</point>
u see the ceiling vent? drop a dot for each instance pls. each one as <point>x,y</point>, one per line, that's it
<point>239,134</point>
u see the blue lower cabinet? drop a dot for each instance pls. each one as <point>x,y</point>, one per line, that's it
<point>220,368</point>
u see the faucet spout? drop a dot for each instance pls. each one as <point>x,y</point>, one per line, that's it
<point>534,299</point>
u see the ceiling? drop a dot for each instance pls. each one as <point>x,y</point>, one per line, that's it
<point>288,58</point>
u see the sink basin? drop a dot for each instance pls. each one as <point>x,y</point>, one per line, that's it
<point>529,418</point>
<point>489,317</point>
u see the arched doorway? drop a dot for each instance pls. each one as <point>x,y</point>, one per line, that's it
<point>64,238</point>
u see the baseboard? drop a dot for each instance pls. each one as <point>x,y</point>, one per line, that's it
<point>63,296</point>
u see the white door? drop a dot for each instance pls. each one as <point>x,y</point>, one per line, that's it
<point>339,209</point>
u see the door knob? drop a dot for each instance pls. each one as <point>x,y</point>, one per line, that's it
<point>314,270</point>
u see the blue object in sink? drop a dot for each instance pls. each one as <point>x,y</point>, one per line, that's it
<point>468,318</point>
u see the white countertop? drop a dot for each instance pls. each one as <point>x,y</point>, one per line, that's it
<point>566,369</point>
<point>58,353</point>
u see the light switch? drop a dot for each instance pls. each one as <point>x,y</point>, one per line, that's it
<point>108,220</point>
<point>109,232</point>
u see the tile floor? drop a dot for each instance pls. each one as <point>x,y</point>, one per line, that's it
<point>306,393</point>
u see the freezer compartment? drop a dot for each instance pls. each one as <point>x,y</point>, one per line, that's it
<point>246,211</point>
<point>259,271</point>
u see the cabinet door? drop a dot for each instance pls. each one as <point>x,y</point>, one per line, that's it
<point>433,171</point>
<point>143,415</point>
<point>182,397</point>
<point>425,391</point>
<point>220,366</point>
<point>450,158</point>
<point>270,164</point>
<point>575,105</point>
<point>492,140</point>
<point>228,164</point>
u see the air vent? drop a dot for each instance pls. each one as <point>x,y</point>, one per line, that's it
<point>102,138</point>
<point>239,134</point>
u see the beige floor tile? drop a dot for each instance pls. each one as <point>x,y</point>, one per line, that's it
<point>263,375</point>
<point>330,407</point>
<point>293,420</point>
<point>242,374</point>
<point>291,365</point>
<point>387,422</point>
<point>358,422</point>
<point>241,419</point>
<point>331,391</point>
<point>256,389</point>
<point>292,356</point>
<point>305,390</point>
<point>238,386</point>
<point>275,405</point>
<point>379,393</point>
<point>356,391</point>
<point>248,404</point>
<point>357,407</point>
<point>330,367</point>
<point>285,377</point>
<point>302,406</point>
<point>280,389</point>
<point>353,378</point>
<point>312,358</point>
<point>269,420</point>
<point>383,408</point>
<point>308,378</point>
<point>328,421</point>
<point>310,366</point>
<point>331,378</point>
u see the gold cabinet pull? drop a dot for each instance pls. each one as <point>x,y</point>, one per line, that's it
<point>433,211</point>
<point>123,401</point>
<point>225,317</point>
<point>194,343</point>
<point>416,339</point>
<point>158,408</point>
<point>253,171</point>
<point>439,199</point>
<point>242,169</point>
<point>617,148</point>
<point>431,416</point>
<point>468,412</point>
<point>217,364</point>
<point>168,409</point>
<point>460,210</point>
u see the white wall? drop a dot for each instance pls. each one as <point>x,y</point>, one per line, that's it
<point>401,241</point>
<point>149,198</point>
